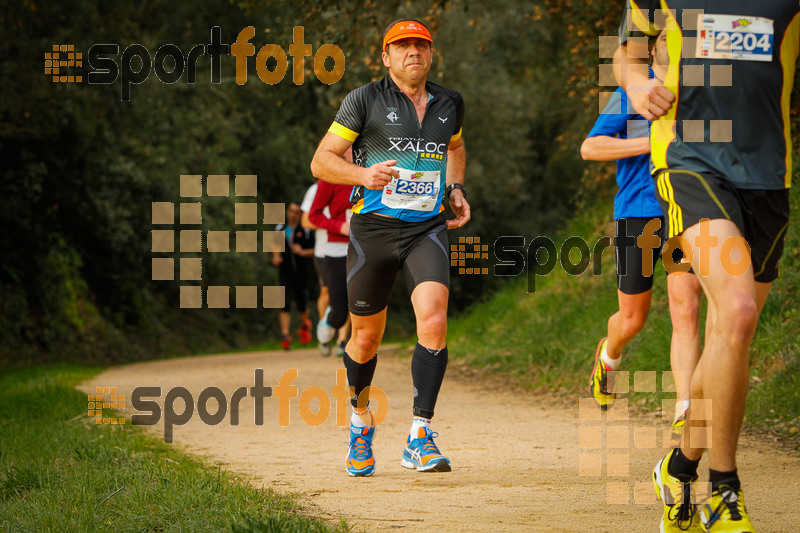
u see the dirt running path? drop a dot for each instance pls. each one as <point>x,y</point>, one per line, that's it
<point>515,456</point>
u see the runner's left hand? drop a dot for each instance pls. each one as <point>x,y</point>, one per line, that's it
<point>460,207</point>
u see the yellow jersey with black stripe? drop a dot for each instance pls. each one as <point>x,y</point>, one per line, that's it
<point>382,123</point>
<point>732,66</point>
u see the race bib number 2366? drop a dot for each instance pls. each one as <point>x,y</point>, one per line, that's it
<point>416,190</point>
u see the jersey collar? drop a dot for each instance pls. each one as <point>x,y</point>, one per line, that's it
<point>388,83</point>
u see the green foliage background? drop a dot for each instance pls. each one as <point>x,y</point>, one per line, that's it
<point>80,167</point>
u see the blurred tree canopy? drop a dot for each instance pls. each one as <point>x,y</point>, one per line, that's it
<point>81,167</point>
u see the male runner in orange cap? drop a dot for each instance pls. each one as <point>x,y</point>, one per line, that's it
<point>408,156</point>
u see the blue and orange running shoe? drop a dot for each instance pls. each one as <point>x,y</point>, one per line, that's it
<point>423,455</point>
<point>359,454</point>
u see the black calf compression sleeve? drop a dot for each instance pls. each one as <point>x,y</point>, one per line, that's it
<point>359,376</point>
<point>427,372</point>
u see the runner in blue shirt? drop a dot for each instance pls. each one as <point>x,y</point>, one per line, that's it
<point>621,134</point>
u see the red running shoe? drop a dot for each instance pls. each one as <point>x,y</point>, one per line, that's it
<point>305,332</point>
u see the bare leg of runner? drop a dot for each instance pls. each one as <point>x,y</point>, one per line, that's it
<point>364,343</point>
<point>430,308</point>
<point>628,321</point>
<point>323,300</point>
<point>723,372</point>
<point>762,291</point>
<point>285,320</point>
<point>684,309</point>
<point>428,366</point>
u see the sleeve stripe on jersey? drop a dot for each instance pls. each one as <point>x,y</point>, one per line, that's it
<point>343,132</point>
<point>456,137</point>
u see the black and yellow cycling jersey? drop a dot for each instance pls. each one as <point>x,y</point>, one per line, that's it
<point>732,65</point>
<point>381,122</point>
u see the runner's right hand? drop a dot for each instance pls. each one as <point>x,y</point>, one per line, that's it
<point>653,101</point>
<point>377,176</point>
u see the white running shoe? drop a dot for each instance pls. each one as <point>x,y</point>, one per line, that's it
<point>325,350</point>
<point>325,332</point>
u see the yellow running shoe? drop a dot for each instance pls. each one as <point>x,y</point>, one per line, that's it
<point>725,512</point>
<point>677,431</point>
<point>680,508</point>
<point>601,385</point>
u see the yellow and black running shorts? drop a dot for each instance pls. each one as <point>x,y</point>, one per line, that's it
<point>761,215</point>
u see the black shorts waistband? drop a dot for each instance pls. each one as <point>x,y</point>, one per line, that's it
<point>373,220</point>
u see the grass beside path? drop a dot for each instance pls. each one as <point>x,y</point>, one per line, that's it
<point>547,339</point>
<point>58,472</point>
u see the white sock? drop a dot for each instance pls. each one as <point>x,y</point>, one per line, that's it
<point>418,422</point>
<point>613,364</point>
<point>680,408</point>
<point>356,421</point>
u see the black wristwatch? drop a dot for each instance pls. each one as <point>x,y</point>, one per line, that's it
<point>452,186</point>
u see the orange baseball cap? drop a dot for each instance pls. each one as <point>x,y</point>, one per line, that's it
<point>405,29</point>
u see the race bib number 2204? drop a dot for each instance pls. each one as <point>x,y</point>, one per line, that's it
<point>734,37</point>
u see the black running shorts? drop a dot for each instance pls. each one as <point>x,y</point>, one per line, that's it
<point>633,276</point>
<point>761,215</point>
<point>382,246</point>
<point>296,291</point>
<point>319,268</point>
